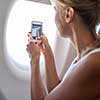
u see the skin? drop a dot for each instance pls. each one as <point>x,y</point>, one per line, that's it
<point>82,80</point>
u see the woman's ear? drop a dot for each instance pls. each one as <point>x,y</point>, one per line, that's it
<point>69,14</point>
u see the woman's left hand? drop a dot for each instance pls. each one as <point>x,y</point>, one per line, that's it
<point>33,50</point>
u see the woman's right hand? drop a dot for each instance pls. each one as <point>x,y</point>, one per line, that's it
<point>45,47</point>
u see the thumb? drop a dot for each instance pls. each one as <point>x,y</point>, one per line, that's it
<point>44,39</point>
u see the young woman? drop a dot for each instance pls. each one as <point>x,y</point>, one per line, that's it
<point>77,20</point>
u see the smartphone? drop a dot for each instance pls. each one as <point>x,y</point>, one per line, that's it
<point>36,29</point>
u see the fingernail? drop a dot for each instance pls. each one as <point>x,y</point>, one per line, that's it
<point>29,32</point>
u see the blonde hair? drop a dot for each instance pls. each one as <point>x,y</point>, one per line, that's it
<point>88,10</point>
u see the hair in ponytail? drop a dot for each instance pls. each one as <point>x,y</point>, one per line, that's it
<point>88,10</point>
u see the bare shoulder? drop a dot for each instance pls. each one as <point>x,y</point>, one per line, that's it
<point>89,66</point>
<point>85,77</point>
<point>92,61</point>
<point>94,56</point>
<point>82,82</point>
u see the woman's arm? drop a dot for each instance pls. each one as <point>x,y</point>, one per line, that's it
<point>81,83</point>
<point>37,88</point>
<point>52,78</point>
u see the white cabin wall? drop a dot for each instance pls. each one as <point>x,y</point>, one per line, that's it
<point>64,55</point>
<point>61,50</point>
<point>71,54</point>
<point>11,87</point>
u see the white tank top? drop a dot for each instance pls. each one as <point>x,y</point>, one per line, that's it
<point>94,51</point>
<point>72,65</point>
<point>91,52</point>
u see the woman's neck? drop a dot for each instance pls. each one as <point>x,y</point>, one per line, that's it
<point>81,39</point>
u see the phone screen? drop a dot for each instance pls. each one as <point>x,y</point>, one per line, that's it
<point>36,29</point>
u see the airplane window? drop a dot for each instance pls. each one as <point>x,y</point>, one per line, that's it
<point>19,23</point>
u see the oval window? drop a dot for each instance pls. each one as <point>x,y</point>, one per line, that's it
<point>19,23</point>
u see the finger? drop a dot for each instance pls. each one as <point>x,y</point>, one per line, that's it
<point>40,45</point>
<point>33,45</point>
<point>30,38</point>
<point>29,34</point>
<point>44,39</point>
